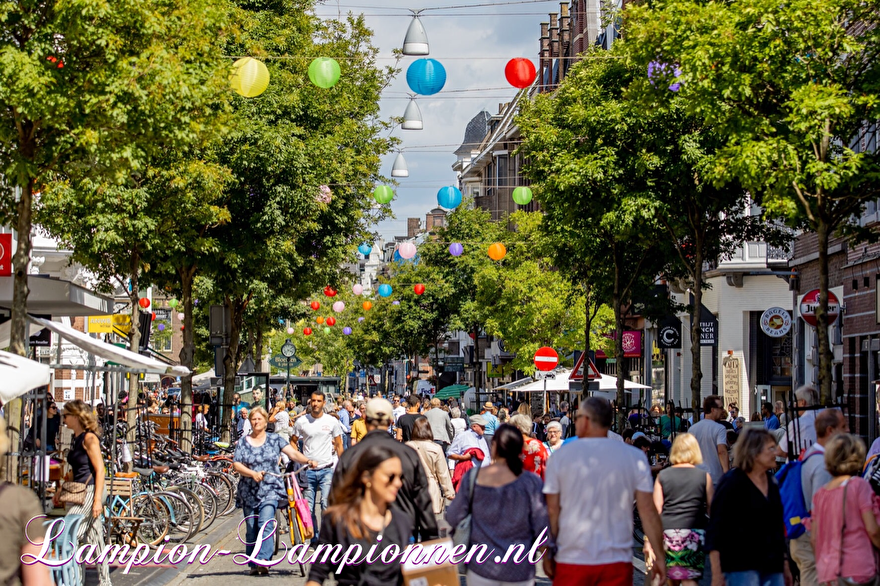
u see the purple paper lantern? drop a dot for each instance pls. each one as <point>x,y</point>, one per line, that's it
<point>456,249</point>
<point>395,302</point>
<point>161,327</point>
<point>346,330</point>
<point>360,319</point>
<point>664,70</point>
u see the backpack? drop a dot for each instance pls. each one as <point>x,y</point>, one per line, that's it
<point>794,509</point>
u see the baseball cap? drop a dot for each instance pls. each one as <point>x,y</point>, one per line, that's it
<point>479,420</point>
<point>380,411</point>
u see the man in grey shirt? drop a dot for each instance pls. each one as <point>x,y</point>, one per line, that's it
<point>441,425</point>
<point>712,437</point>
<point>814,476</point>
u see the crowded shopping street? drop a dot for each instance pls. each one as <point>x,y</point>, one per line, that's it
<point>461,293</point>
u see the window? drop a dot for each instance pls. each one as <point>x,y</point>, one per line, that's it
<point>502,166</point>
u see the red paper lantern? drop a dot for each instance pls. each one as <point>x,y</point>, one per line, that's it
<point>144,302</point>
<point>315,305</point>
<point>520,72</point>
<point>181,328</point>
<point>331,321</point>
<point>419,289</point>
<point>153,316</point>
<point>307,331</point>
<point>329,291</point>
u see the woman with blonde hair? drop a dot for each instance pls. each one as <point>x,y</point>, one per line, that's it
<point>87,468</point>
<point>682,495</point>
<point>259,491</point>
<point>845,532</point>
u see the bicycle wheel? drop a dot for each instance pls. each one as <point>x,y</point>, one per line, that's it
<point>183,519</point>
<point>281,528</point>
<point>195,504</point>
<point>225,490</point>
<point>156,519</point>
<point>209,502</point>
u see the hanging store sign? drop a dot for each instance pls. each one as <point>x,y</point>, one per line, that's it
<point>104,324</point>
<point>669,333</point>
<point>5,255</point>
<point>810,303</point>
<point>732,384</point>
<point>776,322</point>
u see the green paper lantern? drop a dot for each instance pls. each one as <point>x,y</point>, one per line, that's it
<point>522,195</point>
<point>383,194</point>
<point>326,330</point>
<point>173,303</point>
<point>324,72</point>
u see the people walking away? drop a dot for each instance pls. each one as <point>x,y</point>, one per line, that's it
<point>844,526</point>
<point>534,455</point>
<point>255,460</point>
<point>555,433</point>
<point>86,469</point>
<point>488,413</point>
<point>798,492</point>
<point>771,422</point>
<point>405,422</point>
<point>469,449</point>
<point>712,437</point>
<point>753,552</point>
<point>345,415</point>
<point>590,485</point>
<point>434,464</point>
<point>507,511</point>
<point>441,425</point>
<point>414,497</point>
<point>669,421</point>
<point>458,423</point>
<point>682,495</point>
<point>802,429</point>
<point>365,515</point>
<point>321,435</point>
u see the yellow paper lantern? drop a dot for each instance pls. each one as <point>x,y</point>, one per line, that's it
<point>249,78</point>
<point>497,251</point>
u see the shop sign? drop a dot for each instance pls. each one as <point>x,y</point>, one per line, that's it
<point>632,343</point>
<point>776,322</point>
<point>105,324</point>
<point>731,379</point>
<point>810,303</point>
<point>5,255</point>
<point>669,333</point>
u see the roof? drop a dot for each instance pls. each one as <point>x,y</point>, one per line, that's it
<point>474,133</point>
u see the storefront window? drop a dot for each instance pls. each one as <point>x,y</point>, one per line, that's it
<point>780,355</point>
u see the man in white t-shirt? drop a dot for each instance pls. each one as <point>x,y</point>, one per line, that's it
<point>590,485</point>
<point>398,408</point>
<point>712,437</point>
<point>802,431</point>
<point>322,442</point>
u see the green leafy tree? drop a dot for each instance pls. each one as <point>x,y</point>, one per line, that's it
<point>790,86</point>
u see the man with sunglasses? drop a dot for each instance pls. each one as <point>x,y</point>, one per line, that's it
<point>413,497</point>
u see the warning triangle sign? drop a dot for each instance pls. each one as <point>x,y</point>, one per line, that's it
<point>578,373</point>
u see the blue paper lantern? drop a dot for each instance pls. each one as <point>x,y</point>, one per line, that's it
<point>365,249</point>
<point>385,290</point>
<point>449,197</point>
<point>426,76</point>
<point>455,249</point>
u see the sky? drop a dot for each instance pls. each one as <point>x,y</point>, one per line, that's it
<point>474,43</point>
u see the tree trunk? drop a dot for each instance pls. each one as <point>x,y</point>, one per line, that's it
<point>231,361</point>
<point>187,353</point>
<point>134,340</point>
<point>616,299</point>
<point>696,347</point>
<point>258,349</point>
<point>825,357</point>
<point>20,262</point>
<point>588,328</point>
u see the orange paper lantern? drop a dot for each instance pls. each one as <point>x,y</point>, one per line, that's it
<point>367,306</point>
<point>497,251</point>
<point>319,319</point>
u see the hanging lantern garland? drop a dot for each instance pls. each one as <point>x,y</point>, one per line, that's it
<point>290,331</point>
<point>346,330</point>
<point>324,72</point>
<point>407,250</point>
<point>315,305</point>
<point>307,331</point>
<point>249,78</point>
<point>357,289</point>
<point>319,320</point>
<point>367,305</point>
<point>383,194</point>
<point>365,249</point>
<point>449,197</point>
<point>144,302</point>
<point>418,289</point>
<point>173,303</point>
<point>331,321</point>
<point>329,291</point>
<point>339,307</point>
<point>385,290</point>
<point>456,249</point>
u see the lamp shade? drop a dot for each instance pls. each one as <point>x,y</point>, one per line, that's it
<point>383,194</point>
<point>407,250</point>
<point>324,72</point>
<point>412,117</point>
<point>426,76</point>
<point>399,169</point>
<point>449,197</point>
<point>249,78</point>
<point>522,195</point>
<point>416,40</point>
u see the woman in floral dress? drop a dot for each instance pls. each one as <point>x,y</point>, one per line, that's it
<point>534,453</point>
<point>682,495</point>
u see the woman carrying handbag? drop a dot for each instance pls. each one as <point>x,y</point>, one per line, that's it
<point>83,489</point>
<point>844,528</point>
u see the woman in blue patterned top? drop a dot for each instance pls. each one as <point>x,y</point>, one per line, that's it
<point>259,493</point>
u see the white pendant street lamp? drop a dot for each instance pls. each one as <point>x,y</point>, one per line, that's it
<point>416,40</point>
<point>412,117</point>
<point>399,169</point>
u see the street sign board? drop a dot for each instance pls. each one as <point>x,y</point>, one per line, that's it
<point>577,373</point>
<point>776,322</point>
<point>546,358</point>
<point>669,334</point>
<point>279,361</point>
<point>810,303</point>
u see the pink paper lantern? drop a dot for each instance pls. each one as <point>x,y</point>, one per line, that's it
<point>407,250</point>
<point>339,307</point>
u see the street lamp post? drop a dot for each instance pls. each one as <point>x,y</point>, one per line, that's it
<point>288,350</point>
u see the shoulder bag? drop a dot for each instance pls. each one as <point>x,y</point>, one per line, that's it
<point>73,493</point>
<point>841,581</point>
<point>462,535</point>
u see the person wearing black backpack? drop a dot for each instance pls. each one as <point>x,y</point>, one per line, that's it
<point>813,476</point>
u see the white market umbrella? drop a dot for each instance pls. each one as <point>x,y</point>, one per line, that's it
<point>18,375</point>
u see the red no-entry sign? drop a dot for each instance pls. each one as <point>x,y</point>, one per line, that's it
<point>546,358</point>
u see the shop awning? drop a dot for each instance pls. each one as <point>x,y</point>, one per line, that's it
<point>55,297</point>
<point>560,383</point>
<point>110,352</point>
<point>513,386</point>
<point>451,392</point>
<point>20,375</point>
